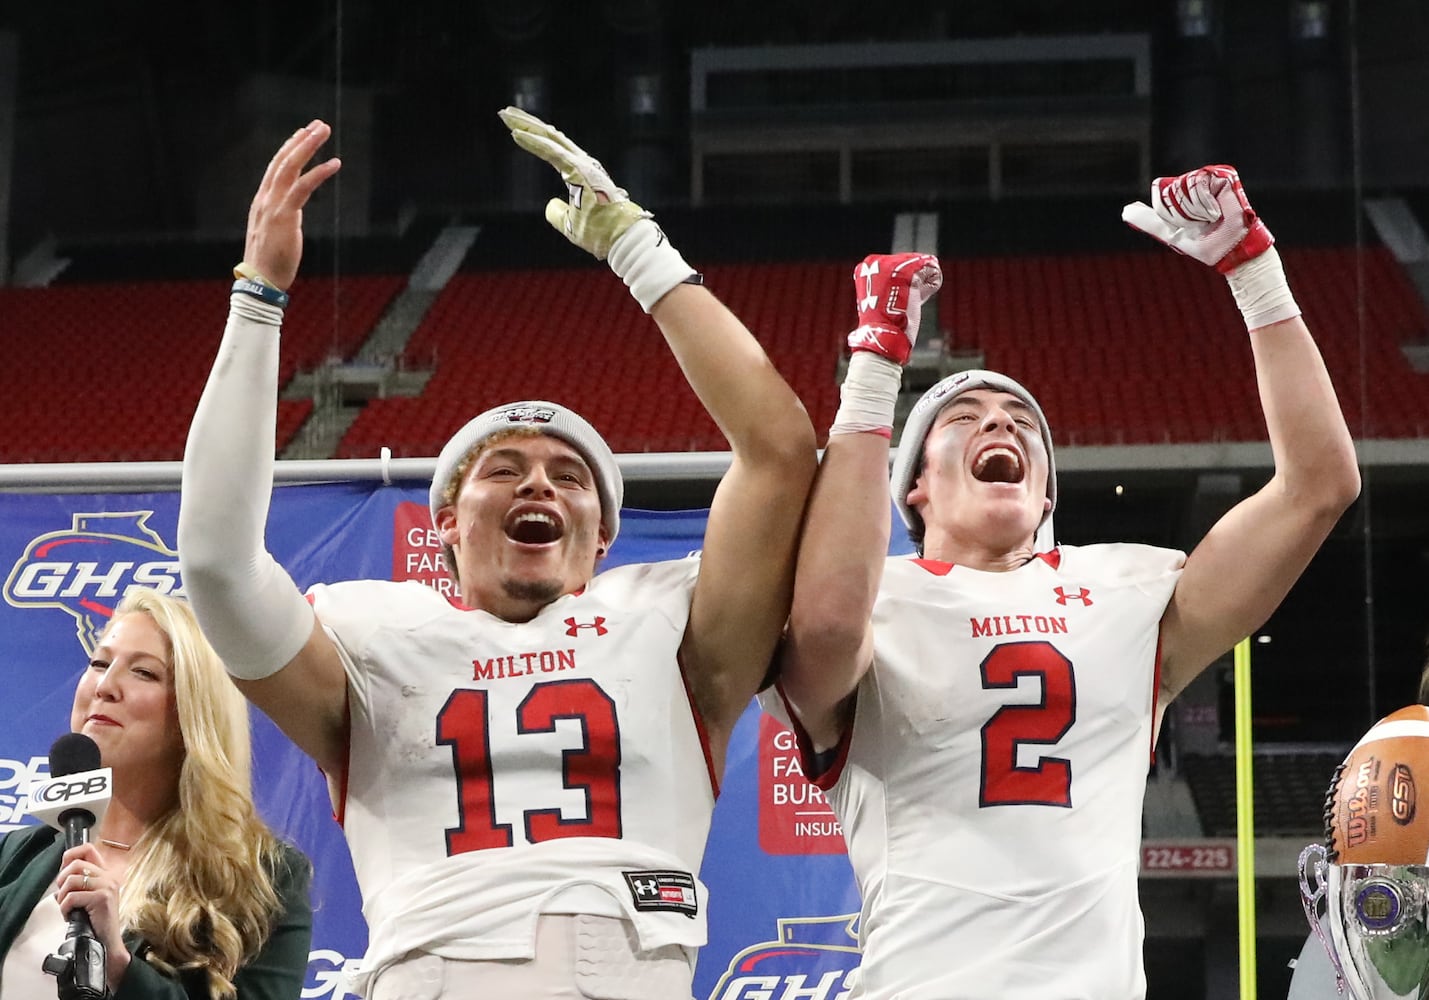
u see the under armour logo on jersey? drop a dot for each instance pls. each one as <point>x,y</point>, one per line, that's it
<point>1084,595</point>
<point>671,891</point>
<point>598,623</point>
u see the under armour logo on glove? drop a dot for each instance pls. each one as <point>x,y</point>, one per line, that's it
<point>890,290</point>
<point>598,623</point>
<point>1203,214</point>
<point>1084,595</point>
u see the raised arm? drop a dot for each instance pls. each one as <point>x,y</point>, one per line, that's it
<point>845,543</point>
<point>1239,573</point>
<point>247,605</point>
<point>741,599</point>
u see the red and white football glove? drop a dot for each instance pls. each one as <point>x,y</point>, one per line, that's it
<point>1203,214</point>
<point>890,290</point>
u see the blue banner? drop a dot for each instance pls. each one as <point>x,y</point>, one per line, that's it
<point>783,903</point>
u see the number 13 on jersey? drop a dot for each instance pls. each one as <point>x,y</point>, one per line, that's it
<point>592,769</point>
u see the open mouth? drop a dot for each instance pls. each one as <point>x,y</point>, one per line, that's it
<point>533,528</point>
<point>998,464</point>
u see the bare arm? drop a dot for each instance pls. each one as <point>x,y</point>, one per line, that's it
<point>248,606</point>
<point>1243,568</point>
<point>742,596</point>
<point>841,557</point>
<point>1241,571</point>
<point>845,542</point>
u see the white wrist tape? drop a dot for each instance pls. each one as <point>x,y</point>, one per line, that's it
<point>868,395</point>
<point>248,606</point>
<point>1261,291</point>
<point>647,263</point>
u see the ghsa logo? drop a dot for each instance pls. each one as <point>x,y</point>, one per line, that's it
<point>812,958</point>
<point>86,569</point>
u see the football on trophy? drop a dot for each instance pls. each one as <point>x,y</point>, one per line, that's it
<point>1372,813</point>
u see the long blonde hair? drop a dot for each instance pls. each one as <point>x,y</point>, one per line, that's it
<point>200,888</point>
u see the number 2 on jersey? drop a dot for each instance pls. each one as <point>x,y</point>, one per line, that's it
<point>1049,781</point>
<point>593,768</point>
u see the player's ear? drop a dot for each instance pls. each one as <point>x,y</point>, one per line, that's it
<point>918,493</point>
<point>446,524</point>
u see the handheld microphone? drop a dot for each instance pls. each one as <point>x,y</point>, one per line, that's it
<point>72,800</point>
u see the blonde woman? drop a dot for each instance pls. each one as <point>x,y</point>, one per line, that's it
<point>189,891</point>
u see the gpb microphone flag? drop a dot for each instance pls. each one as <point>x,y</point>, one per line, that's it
<point>77,785</point>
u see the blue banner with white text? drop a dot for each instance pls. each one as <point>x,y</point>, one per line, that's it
<point>783,904</point>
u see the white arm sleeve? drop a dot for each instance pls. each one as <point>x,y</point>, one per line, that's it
<point>248,606</point>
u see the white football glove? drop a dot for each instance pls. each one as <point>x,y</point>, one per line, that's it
<point>598,211</point>
<point>599,216</point>
<point>1204,214</point>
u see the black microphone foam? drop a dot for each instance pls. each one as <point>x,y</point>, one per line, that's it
<point>73,753</point>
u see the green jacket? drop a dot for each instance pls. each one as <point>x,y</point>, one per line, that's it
<point>30,862</point>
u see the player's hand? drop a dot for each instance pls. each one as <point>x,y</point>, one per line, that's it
<point>1203,214</point>
<point>274,244</point>
<point>890,290</point>
<point>598,211</point>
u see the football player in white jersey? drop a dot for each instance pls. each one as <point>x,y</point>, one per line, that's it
<point>982,717</point>
<point>525,776</point>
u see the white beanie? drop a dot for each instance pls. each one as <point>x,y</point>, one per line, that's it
<point>548,418</point>
<point>909,459</point>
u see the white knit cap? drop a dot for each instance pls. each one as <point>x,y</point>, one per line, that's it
<point>909,460</point>
<point>548,418</point>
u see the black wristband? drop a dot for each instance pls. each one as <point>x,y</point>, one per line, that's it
<point>695,279</point>
<point>269,294</point>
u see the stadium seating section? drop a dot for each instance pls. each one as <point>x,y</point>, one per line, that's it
<point>1123,344</point>
<point>112,372</point>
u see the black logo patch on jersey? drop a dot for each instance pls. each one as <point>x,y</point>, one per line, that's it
<point>664,890</point>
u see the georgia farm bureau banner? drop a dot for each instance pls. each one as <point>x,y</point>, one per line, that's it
<point>783,904</point>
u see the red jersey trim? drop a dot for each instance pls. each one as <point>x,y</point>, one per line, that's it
<point>699,726</point>
<point>339,812</point>
<point>939,568</point>
<point>1155,696</point>
<point>808,758</point>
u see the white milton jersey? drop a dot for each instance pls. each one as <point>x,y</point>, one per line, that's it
<point>497,769</point>
<point>990,788</point>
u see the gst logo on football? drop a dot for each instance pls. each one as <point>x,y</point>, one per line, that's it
<point>86,569</point>
<point>1083,594</point>
<point>573,627</point>
<point>1402,794</point>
